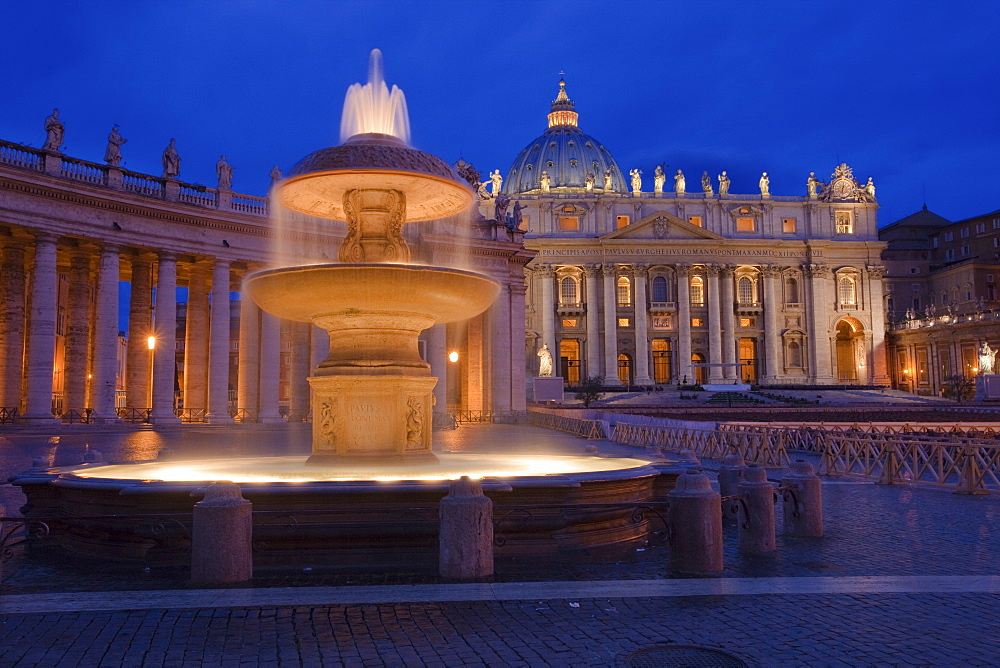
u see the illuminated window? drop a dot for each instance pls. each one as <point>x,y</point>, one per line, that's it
<point>843,222</point>
<point>745,291</point>
<point>746,322</point>
<point>621,221</point>
<point>624,291</point>
<point>568,291</point>
<point>788,225</point>
<point>697,291</point>
<point>847,291</point>
<point>660,288</point>
<point>569,322</point>
<point>695,220</point>
<point>697,322</point>
<point>744,225</point>
<point>624,322</point>
<point>569,222</point>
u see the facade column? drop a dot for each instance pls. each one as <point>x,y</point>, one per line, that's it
<point>270,368</point>
<point>772,326</point>
<point>301,354</point>
<point>247,392</point>
<point>728,323</point>
<point>77,334</point>
<point>593,369</point>
<point>42,332</point>
<point>196,340</point>
<point>105,382</point>
<point>12,308</point>
<point>820,361</point>
<point>165,350</point>
<point>218,346</point>
<point>684,369</point>
<point>437,357</point>
<point>545,274</point>
<point>641,275</point>
<point>610,326</point>
<point>714,324</point>
<point>501,341</point>
<point>140,328</point>
<point>518,382</point>
<point>877,357</point>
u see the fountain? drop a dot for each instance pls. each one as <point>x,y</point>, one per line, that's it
<point>372,478</point>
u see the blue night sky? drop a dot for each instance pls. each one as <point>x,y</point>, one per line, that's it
<point>904,91</point>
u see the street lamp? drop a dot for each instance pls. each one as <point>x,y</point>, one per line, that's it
<point>453,356</point>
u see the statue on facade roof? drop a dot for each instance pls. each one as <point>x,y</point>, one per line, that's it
<point>723,183</point>
<point>987,357</point>
<point>275,175</point>
<point>545,181</point>
<point>636,180</point>
<point>870,189</point>
<point>497,182</point>
<point>517,218</point>
<point>608,183</point>
<point>765,185</point>
<point>588,181</point>
<point>680,184</point>
<point>706,183</point>
<point>225,173</point>
<point>659,178</point>
<point>171,161</point>
<point>113,153</point>
<point>501,201</point>
<point>53,132</point>
<point>812,183</point>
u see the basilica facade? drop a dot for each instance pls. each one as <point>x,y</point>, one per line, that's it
<point>644,284</point>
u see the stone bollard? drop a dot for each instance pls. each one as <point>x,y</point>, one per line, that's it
<point>221,540</point>
<point>756,524</point>
<point>689,458</point>
<point>40,463</point>
<point>93,456</point>
<point>803,505</point>
<point>466,539</point>
<point>3,513</point>
<point>731,474</point>
<point>695,525</point>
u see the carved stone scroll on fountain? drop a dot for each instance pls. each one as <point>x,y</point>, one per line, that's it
<point>374,226</point>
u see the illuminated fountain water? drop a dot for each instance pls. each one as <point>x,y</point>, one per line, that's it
<point>372,451</point>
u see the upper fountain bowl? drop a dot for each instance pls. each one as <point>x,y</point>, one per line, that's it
<point>317,184</point>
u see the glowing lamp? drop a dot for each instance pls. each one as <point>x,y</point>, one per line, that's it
<point>453,356</point>
<point>151,342</point>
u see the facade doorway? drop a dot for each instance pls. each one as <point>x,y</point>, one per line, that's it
<point>748,360</point>
<point>661,360</point>
<point>851,356</point>
<point>625,369</point>
<point>700,373</point>
<point>569,360</point>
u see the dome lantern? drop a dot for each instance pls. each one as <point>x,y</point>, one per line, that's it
<point>563,109</point>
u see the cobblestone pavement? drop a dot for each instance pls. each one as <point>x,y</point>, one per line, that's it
<point>903,576</point>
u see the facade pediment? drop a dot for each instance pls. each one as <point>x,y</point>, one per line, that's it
<point>661,225</point>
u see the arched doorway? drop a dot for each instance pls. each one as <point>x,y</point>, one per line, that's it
<point>852,358</point>
<point>569,360</point>
<point>700,372</point>
<point>748,360</point>
<point>625,369</point>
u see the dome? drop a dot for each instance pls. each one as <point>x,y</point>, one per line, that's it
<point>566,154</point>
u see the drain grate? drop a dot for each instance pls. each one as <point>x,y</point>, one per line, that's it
<point>682,656</point>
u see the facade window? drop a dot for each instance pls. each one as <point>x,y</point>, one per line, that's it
<point>989,278</point>
<point>624,291</point>
<point>965,250</point>
<point>660,289</point>
<point>697,322</point>
<point>965,233</point>
<point>914,270</point>
<point>844,223</point>
<point>980,228</point>
<point>949,254</point>
<point>847,291</point>
<point>996,223</point>
<point>746,322</point>
<point>788,225</point>
<point>624,322</point>
<point>697,291</point>
<point>949,236</point>
<point>915,287</point>
<point>570,322</point>
<point>791,291</point>
<point>996,242</point>
<point>621,221</point>
<point>934,241</point>
<point>625,369</point>
<point>745,291</point>
<point>568,291</point>
<point>916,304</point>
<point>661,360</point>
<point>744,224</point>
<point>569,222</point>
<point>695,220</point>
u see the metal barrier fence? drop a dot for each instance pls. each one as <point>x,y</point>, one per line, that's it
<point>472,417</point>
<point>570,425</point>
<point>8,414</point>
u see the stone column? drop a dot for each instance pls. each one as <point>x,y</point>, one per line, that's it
<point>140,328</point>
<point>437,356</point>
<point>42,332</point>
<point>12,295</point>
<point>545,274</point>
<point>878,364</point>
<point>610,326</point>
<point>247,391</point>
<point>270,368</point>
<point>593,369</point>
<point>820,363</point>
<point>714,326</point>
<point>104,385</point>
<point>218,346</point>
<point>772,324</point>
<point>684,323</point>
<point>77,335</point>
<point>500,335</point>
<point>728,323</point>
<point>196,340</point>
<point>298,406</point>
<point>518,404</point>
<point>641,275</point>
<point>165,352</point>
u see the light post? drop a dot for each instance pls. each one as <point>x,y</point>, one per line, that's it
<point>151,344</point>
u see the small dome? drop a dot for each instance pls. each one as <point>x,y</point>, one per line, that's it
<point>566,154</point>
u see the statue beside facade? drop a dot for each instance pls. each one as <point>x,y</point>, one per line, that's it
<point>53,132</point>
<point>113,153</point>
<point>636,180</point>
<point>680,184</point>
<point>171,161</point>
<point>987,357</point>
<point>544,361</point>
<point>517,216</point>
<point>225,173</point>
<point>765,185</point>
<point>723,184</point>
<point>589,181</point>
<point>812,184</point>
<point>659,178</point>
<point>546,182</point>
<point>706,183</point>
<point>497,182</point>
<point>608,183</point>
<point>467,172</point>
<point>501,202</point>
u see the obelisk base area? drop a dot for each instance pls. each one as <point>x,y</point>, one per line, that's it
<point>371,418</point>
